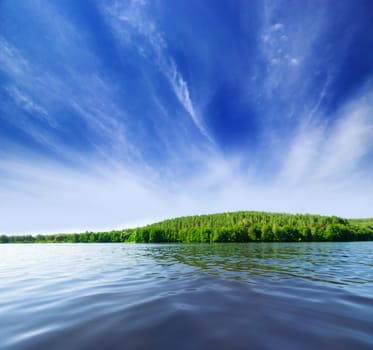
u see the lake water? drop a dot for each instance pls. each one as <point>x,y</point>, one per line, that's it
<point>219,296</point>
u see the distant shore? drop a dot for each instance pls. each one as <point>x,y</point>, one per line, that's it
<point>243,226</point>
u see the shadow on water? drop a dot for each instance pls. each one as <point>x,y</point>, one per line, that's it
<point>219,296</point>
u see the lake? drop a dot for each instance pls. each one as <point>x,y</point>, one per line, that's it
<point>218,296</point>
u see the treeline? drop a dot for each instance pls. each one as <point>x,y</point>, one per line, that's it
<point>87,237</point>
<point>226,227</point>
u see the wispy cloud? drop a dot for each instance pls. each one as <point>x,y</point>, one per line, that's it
<point>181,90</point>
<point>27,104</point>
<point>322,152</point>
<point>11,59</point>
<point>61,99</point>
<point>131,19</point>
<point>351,139</point>
<point>287,41</point>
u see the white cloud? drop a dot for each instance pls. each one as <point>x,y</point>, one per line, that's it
<point>350,141</point>
<point>39,196</point>
<point>321,152</point>
<point>181,90</point>
<point>276,27</point>
<point>47,197</point>
<point>300,160</point>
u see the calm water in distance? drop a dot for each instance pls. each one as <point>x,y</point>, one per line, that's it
<point>218,296</point>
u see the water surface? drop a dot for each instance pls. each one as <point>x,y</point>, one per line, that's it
<point>219,296</point>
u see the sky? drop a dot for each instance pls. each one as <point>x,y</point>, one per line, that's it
<point>115,114</point>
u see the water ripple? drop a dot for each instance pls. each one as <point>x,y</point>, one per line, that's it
<point>220,296</point>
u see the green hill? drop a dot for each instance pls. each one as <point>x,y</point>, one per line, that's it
<point>249,226</point>
<point>243,226</point>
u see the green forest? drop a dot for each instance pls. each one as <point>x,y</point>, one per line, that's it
<point>243,226</point>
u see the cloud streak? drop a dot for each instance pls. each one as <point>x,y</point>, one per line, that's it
<point>131,19</point>
<point>28,105</point>
<point>321,152</point>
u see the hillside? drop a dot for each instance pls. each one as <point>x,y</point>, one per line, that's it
<point>249,226</point>
<point>368,222</point>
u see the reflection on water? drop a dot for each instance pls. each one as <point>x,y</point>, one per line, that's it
<point>318,262</point>
<point>220,296</point>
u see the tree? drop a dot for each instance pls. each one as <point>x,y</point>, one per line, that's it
<point>4,239</point>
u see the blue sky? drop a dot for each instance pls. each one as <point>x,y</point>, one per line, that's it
<point>119,113</point>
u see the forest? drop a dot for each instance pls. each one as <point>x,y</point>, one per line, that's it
<point>243,226</point>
